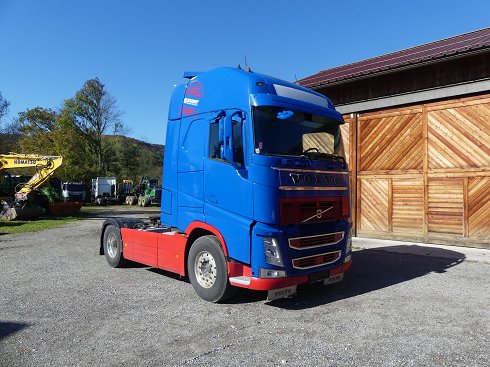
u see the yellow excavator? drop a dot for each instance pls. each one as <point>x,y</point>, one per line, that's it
<point>25,204</point>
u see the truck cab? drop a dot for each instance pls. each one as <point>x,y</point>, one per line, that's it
<point>73,191</point>
<point>255,169</point>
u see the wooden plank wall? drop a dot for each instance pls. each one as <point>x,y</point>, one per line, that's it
<point>348,136</point>
<point>422,173</point>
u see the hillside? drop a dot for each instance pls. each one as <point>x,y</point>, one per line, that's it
<point>131,158</point>
<point>155,148</point>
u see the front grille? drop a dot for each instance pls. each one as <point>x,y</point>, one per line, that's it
<point>308,210</point>
<point>315,261</point>
<point>303,243</point>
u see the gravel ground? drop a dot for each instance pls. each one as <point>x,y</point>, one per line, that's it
<point>62,305</point>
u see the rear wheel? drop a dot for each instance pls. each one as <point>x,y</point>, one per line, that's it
<point>113,247</point>
<point>206,266</point>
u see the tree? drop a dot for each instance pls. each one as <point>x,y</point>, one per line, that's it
<point>9,135</point>
<point>37,120</point>
<point>4,107</point>
<point>37,127</point>
<point>94,113</point>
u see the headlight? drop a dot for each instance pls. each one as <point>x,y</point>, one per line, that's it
<point>271,251</point>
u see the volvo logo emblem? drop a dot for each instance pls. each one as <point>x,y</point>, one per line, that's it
<point>318,214</point>
<point>299,178</point>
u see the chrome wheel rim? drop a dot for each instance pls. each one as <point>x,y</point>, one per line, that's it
<point>112,245</point>
<point>205,269</point>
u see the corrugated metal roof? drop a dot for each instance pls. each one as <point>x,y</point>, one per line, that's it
<point>457,45</point>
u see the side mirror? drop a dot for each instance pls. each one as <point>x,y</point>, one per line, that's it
<point>226,136</point>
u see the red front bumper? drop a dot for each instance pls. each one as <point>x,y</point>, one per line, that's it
<point>265,284</point>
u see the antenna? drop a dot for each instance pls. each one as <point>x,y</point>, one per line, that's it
<point>247,68</point>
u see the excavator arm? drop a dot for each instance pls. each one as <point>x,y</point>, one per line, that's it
<point>45,167</point>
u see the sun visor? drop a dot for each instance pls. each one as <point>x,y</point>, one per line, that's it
<point>290,103</point>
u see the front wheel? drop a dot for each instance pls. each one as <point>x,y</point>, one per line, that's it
<point>113,247</point>
<point>206,266</point>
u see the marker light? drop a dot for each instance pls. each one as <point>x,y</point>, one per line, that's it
<point>348,247</point>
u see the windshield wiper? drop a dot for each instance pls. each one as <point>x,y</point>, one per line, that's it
<point>326,156</point>
<point>283,155</point>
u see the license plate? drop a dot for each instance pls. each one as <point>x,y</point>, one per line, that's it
<point>320,276</point>
<point>334,279</point>
<point>281,293</point>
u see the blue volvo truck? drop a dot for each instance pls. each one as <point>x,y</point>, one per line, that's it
<point>255,189</point>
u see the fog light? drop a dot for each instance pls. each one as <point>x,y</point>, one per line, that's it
<point>271,251</point>
<point>271,273</point>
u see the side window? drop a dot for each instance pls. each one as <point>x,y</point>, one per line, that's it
<point>214,143</point>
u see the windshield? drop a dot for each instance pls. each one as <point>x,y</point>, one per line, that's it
<point>294,133</point>
<point>74,187</point>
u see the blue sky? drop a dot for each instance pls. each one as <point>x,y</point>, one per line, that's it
<point>139,49</point>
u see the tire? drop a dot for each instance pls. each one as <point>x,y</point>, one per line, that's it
<point>133,200</point>
<point>113,247</point>
<point>206,266</point>
<point>140,201</point>
<point>146,201</point>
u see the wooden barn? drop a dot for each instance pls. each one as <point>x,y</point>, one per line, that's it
<point>418,136</point>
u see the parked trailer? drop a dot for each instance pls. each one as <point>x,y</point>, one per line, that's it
<point>255,190</point>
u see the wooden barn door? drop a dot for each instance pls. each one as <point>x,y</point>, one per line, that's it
<point>390,185</point>
<point>459,171</point>
<point>423,173</point>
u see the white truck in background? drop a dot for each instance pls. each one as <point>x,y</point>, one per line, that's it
<point>73,191</point>
<point>104,190</point>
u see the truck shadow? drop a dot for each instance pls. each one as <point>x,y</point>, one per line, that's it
<point>7,328</point>
<point>373,269</point>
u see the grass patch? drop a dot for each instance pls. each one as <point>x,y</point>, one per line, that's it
<point>24,226</point>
